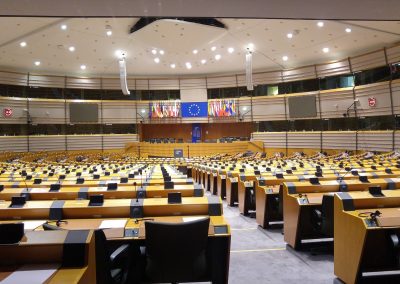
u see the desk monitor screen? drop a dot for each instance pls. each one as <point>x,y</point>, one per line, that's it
<point>257,172</point>
<point>55,187</point>
<point>376,191</point>
<point>11,233</point>
<point>168,185</point>
<point>314,180</point>
<point>37,181</point>
<point>241,170</point>
<point>112,186</point>
<point>80,180</point>
<point>174,198</point>
<point>279,175</point>
<point>363,178</point>
<point>167,178</point>
<point>17,201</point>
<point>124,180</point>
<point>96,200</point>
<point>96,176</point>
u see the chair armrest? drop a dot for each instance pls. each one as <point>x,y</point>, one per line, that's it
<point>119,252</point>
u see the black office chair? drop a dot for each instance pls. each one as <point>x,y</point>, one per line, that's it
<point>111,267</point>
<point>176,252</point>
<point>11,233</point>
<point>322,219</point>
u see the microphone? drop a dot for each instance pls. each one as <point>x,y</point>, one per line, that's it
<point>340,178</point>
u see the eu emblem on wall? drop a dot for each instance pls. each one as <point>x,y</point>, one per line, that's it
<point>7,112</point>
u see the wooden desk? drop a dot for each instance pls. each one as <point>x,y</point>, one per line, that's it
<point>82,192</point>
<point>231,190</point>
<point>361,244</point>
<point>49,247</point>
<point>218,245</point>
<point>300,198</point>
<point>112,208</point>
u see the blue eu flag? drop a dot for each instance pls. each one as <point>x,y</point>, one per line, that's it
<point>194,109</point>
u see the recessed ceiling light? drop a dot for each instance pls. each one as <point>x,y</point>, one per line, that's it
<point>37,63</point>
<point>188,65</point>
<point>285,58</point>
<point>231,49</point>
<point>348,30</point>
<point>250,47</point>
<point>289,35</point>
<point>109,33</point>
<point>161,52</point>
<point>22,43</point>
<point>83,67</point>
<point>71,48</point>
<point>320,24</point>
<point>63,27</point>
<point>154,51</point>
<point>195,51</point>
<point>213,48</point>
<point>157,60</point>
<point>120,54</point>
<point>325,49</point>
<point>217,56</point>
<point>203,61</point>
<point>173,65</point>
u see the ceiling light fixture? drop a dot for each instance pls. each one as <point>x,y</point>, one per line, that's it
<point>289,35</point>
<point>157,60</point>
<point>325,49</point>
<point>213,48</point>
<point>285,58</point>
<point>320,24</point>
<point>71,48</point>
<point>22,44</point>
<point>109,30</point>
<point>83,67</point>
<point>231,49</point>
<point>348,30</point>
<point>120,54</point>
<point>173,65</point>
<point>63,27</point>
<point>203,61</point>
<point>250,47</point>
<point>188,65</point>
<point>195,51</point>
<point>154,51</point>
<point>161,52</point>
<point>217,56</point>
<point>37,63</point>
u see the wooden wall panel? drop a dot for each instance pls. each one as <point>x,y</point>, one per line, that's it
<point>209,130</point>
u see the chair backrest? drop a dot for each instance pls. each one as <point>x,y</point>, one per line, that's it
<point>103,266</point>
<point>11,233</point>
<point>327,215</point>
<point>176,252</point>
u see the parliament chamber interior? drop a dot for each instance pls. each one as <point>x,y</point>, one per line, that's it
<point>186,142</point>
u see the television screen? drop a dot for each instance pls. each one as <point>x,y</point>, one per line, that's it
<point>83,112</point>
<point>302,107</point>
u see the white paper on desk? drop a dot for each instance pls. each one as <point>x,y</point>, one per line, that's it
<point>32,225</point>
<point>109,224</point>
<point>189,219</point>
<point>32,273</point>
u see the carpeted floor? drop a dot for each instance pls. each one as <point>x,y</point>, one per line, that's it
<point>261,256</point>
